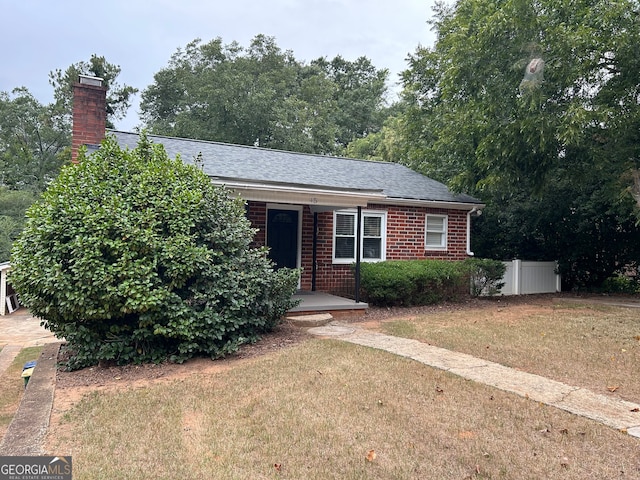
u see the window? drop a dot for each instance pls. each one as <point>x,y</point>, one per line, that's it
<point>373,236</point>
<point>435,235</point>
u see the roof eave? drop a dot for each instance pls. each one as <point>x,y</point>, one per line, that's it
<point>450,205</point>
<point>302,195</point>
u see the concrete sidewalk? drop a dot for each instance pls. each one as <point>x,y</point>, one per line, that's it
<point>19,330</point>
<point>28,428</point>
<point>616,413</point>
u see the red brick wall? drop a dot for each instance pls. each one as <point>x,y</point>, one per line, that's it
<point>405,240</point>
<point>89,116</point>
<point>257,215</point>
<point>405,233</point>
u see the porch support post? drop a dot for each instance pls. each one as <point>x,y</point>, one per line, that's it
<point>315,252</point>
<point>358,254</point>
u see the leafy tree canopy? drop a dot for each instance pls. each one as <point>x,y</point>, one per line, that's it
<point>35,139</point>
<point>263,96</point>
<point>132,257</point>
<point>118,96</point>
<point>32,141</point>
<point>13,204</point>
<point>535,107</point>
<point>481,108</point>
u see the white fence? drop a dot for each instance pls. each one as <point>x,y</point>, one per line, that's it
<point>523,277</point>
<point>8,299</point>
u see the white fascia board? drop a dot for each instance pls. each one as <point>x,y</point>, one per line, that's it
<point>303,195</point>
<point>432,204</point>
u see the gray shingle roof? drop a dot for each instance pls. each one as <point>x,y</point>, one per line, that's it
<point>253,164</point>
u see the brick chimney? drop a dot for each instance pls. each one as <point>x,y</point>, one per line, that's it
<point>89,113</point>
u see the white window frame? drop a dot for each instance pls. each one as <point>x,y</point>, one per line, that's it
<point>383,235</point>
<point>443,232</point>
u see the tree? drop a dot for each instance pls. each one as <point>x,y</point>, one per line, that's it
<point>388,144</point>
<point>133,257</point>
<point>360,91</point>
<point>33,139</point>
<point>13,205</point>
<point>519,98</point>
<point>263,96</point>
<point>118,96</point>
<point>574,222</point>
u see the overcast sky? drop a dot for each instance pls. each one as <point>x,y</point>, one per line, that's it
<point>38,36</point>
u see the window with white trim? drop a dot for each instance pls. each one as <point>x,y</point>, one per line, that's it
<point>435,232</point>
<point>372,236</point>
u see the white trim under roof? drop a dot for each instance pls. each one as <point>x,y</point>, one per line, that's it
<point>431,203</point>
<point>303,195</point>
<point>328,196</point>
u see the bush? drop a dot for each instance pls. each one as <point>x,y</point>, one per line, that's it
<point>413,282</point>
<point>620,284</point>
<point>486,275</point>
<point>134,257</point>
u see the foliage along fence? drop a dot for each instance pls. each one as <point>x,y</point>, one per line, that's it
<point>525,277</point>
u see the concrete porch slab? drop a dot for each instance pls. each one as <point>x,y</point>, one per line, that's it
<point>320,302</point>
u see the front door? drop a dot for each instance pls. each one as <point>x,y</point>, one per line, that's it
<point>282,237</point>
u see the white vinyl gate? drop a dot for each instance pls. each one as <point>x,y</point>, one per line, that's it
<point>524,277</point>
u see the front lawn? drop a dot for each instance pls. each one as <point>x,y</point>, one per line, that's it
<point>324,409</point>
<point>594,346</point>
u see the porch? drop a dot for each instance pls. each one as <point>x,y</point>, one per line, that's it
<point>318,302</point>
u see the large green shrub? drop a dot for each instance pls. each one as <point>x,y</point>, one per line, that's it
<point>133,257</point>
<point>413,282</point>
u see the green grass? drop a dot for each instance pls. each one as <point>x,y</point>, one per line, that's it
<point>12,386</point>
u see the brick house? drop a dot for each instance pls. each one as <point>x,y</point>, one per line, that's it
<point>308,209</point>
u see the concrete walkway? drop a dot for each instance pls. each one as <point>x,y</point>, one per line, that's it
<point>28,428</point>
<point>19,330</point>
<point>616,413</point>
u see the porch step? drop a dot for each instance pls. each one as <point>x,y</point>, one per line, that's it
<point>315,320</point>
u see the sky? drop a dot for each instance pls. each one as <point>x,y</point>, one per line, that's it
<point>38,36</point>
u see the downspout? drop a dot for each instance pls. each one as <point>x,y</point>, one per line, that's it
<point>469,213</point>
<point>314,259</point>
<point>358,248</point>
